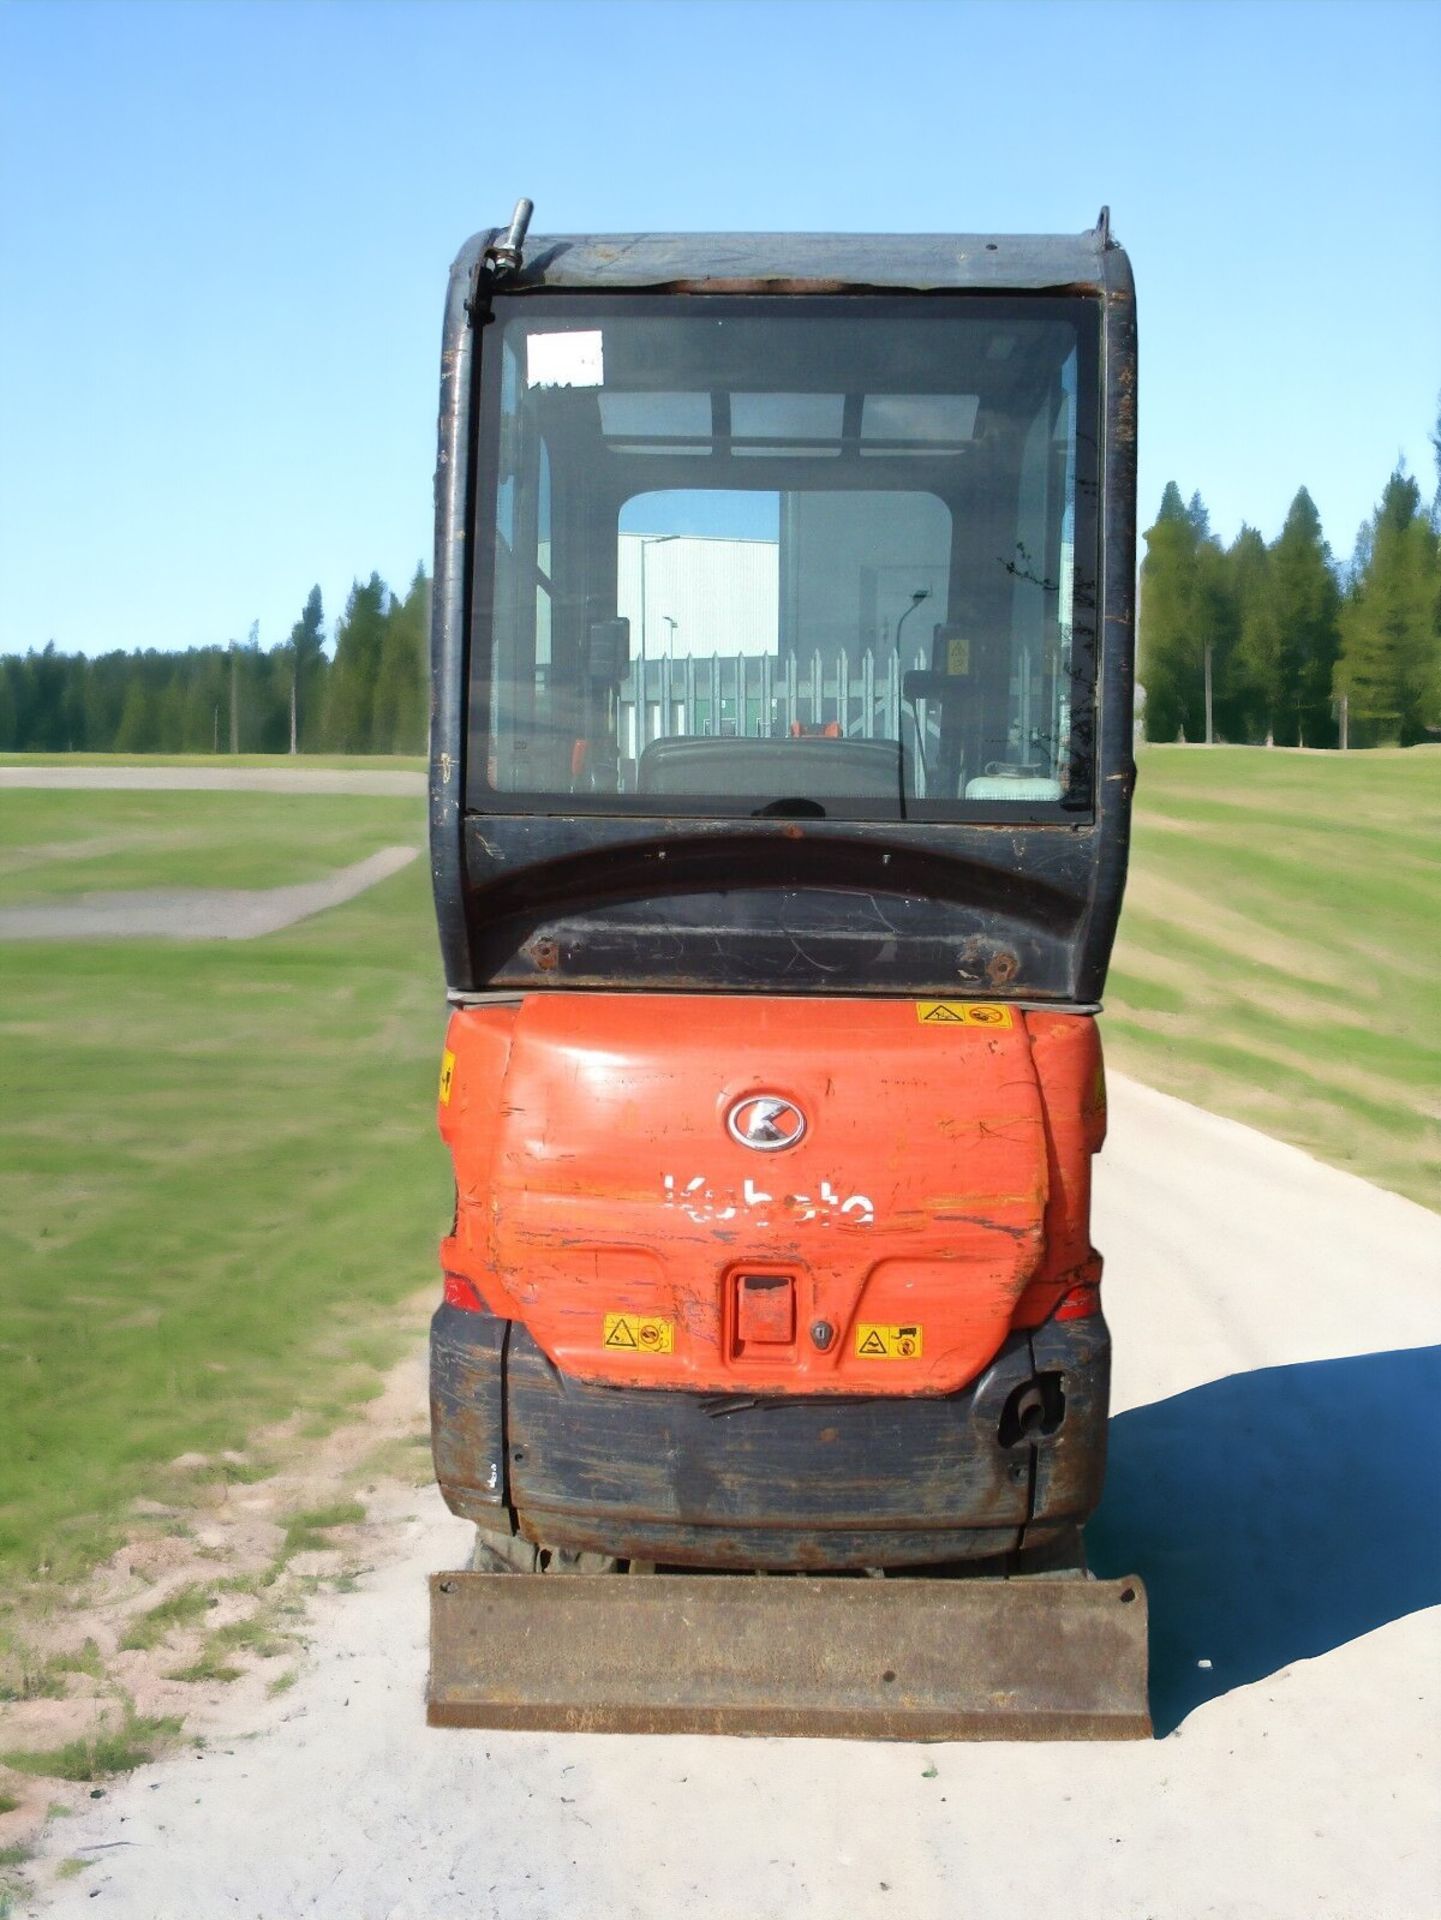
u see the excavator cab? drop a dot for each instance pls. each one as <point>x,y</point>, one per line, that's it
<point>780,785</point>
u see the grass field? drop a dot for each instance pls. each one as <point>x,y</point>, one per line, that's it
<point>218,1176</point>
<point>55,843</point>
<point>217,1170</point>
<point>1278,957</point>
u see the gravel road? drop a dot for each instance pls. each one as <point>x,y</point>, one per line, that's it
<point>378,781</point>
<point>1273,1477</point>
<point>198,913</point>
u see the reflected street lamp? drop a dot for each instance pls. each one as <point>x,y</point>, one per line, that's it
<point>921,593</point>
<point>647,541</point>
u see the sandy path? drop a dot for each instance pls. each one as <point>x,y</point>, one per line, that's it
<point>382,781</point>
<point>198,913</point>
<point>1273,1477</point>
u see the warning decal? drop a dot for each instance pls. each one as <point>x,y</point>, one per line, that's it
<point>447,1076</point>
<point>963,1013</point>
<point>888,1343</point>
<point>639,1333</point>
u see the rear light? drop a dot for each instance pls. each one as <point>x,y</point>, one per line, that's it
<point>460,1292</point>
<point>1079,1303</point>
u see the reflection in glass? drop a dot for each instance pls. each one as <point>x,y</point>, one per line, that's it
<point>759,554</point>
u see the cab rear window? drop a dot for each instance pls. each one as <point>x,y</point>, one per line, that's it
<point>749,555</point>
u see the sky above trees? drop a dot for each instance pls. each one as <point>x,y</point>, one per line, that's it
<point>225,230</point>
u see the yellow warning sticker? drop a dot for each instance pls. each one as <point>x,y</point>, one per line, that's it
<point>958,653</point>
<point>447,1076</point>
<point>1098,1090</point>
<point>639,1333</point>
<point>888,1343</point>
<point>963,1013</point>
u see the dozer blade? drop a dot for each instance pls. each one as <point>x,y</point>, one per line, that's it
<point>894,1659</point>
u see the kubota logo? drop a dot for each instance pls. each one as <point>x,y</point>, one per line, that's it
<point>765,1122</point>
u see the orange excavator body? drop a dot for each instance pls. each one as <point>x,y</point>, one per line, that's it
<point>936,1196</point>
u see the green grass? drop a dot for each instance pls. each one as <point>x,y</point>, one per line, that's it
<point>1277,954</point>
<point>255,1634</point>
<point>54,845</point>
<point>87,1661</point>
<point>218,1171</point>
<point>108,1751</point>
<point>218,1178</point>
<point>28,1675</point>
<point>209,1668</point>
<point>306,1532</point>
<point>182,1609</point>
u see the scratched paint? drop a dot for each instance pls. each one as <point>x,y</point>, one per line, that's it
<point>596,1174</point>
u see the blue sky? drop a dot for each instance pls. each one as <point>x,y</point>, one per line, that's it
<point>225,230</point>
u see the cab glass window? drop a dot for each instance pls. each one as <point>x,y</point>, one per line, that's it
<point>816,556</point>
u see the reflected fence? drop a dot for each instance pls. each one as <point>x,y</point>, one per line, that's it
<point>762,697</point>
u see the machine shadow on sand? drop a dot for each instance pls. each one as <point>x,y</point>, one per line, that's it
<point>1274,1515</point>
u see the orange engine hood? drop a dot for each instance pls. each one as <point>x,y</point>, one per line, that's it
<point>607,1195</point>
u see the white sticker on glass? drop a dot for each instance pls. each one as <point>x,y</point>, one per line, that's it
<point>564,360</point>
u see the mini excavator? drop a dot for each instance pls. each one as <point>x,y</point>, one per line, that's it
<point>780,781</point>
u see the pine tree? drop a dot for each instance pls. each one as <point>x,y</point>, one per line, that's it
<point>350,690</point>
<point>46,720</point>
<point>9,705</point>
<point>203,712</point>
<point>136,731</point>
<point>1177,614</point>
<point>1213,625</point>
<point>1291,636</point>
<point>1248,565</point>
<point>1390,668</point>
<point>401,702</point>
<point>307,672</point>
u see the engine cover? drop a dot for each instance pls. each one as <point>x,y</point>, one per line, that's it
<point>770,1196</point>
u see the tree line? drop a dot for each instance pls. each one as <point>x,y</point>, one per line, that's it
<point>1246,643</point>
<point>369,695</point>
<point>1276,644</point>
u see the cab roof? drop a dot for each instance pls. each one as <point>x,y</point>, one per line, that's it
<point>1088,262</point>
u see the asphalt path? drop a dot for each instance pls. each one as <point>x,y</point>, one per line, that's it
<point>1273,1478</point>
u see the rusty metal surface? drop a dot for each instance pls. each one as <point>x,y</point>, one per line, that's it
<point>844,1658</point>
<point>467,1410</point>
<point>786,1467</point>
<point>746,1482</point>
<point>808,263</point>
